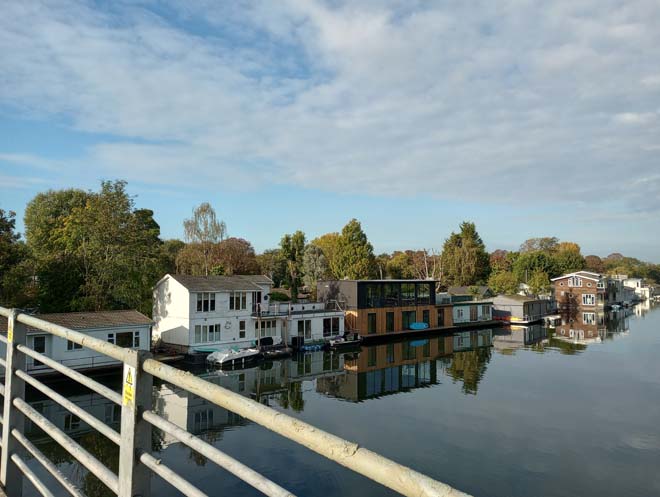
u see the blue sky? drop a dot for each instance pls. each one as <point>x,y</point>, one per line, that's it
<point>529,119</point>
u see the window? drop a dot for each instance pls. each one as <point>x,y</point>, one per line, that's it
<point>408,293</point>
<point>374,295</point>
<point>241,382</point>
<point>441,317</point>
<point>111,338</point>
<point>574,281</point>
<point>389,322</point>
<point>205,302</point>
<point>588,299</point>
<point>426,349</point>
<point>241,329</point>
<point>327,327</point>
<point>72,345</point>
<point>38,345</point>
<point>423,294</point>
<point>305,328</point>
<point>112,413</point>
<point>390,353</point>
<point>474,313</point>
<point>207,333</point>
<point>335,326</point>
<point>408,351</point>
<point>392,293</point>
<point>202,420</point>
<point>425,317</point>
<point>408,317</point>
<point>269,328</point>
<point>371,358</point>
<point>136,339</point>
<point>589,318</point>
<point>238,301</point>
<point>371,323</point>
<point>485,311</point>
<point>459,313</point>
<point>71,422</point>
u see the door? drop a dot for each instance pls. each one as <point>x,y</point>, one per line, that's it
<point>473,313</point>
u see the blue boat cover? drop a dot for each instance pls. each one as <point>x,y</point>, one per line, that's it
<point>419,326</point>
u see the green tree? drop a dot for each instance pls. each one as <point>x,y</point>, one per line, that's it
<point>567,258</point>
<point>355,255</point>
<point>292,249</point>
<point>594,264</point>
<point>236,256</point>
<point>329,245</point>
<point>272,264</point>
<point>205,229</point>
<point>546,244</point>
<point>539,283</point>
<point>529,262</point>
<point>315,267</point>
<point>15,265</point>
<point>464,257</point>
<point>503,282</point>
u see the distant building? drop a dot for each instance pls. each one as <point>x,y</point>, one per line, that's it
<point>472,312</point>
<point>130,329</point>
<point>520,309</point>
<point>202,313</point>
<point>379,307</point>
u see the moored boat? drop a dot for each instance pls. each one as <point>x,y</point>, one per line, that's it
<point>233,357</point>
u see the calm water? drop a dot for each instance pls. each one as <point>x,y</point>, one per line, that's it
<point>502,413</point>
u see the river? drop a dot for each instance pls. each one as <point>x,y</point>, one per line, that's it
<point>494,413</point>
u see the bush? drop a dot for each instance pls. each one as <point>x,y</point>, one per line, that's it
<point>279,297</point>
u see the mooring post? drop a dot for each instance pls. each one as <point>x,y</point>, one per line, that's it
<point>135,477</point>
<point>11,476</point>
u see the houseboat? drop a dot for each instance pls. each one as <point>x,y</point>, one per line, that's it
<point>129,328</point>
<point>588,290</point>
<point>205,314</point>
<point>518,309</point>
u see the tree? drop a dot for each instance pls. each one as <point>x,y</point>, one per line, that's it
<point>464,257</point>
<point>15,267</point>
<point>426,264</point>
<point>314,267</point>
<point>503,282</point>
<point>292,249</point>
<point>382,261</point>
<point>169,250</point>
<point>568,259</point>
<point>545,244</point>
<point>272,264</point>
<point>594,264</point>
<point>539,283</point>
<point>355,255</point>
<point>204,229</point>
<point>329,245</point>
<point>529,262</point>
<point>236,256</point>
<point>93,250</point>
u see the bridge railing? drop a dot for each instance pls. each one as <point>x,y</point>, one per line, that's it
<point>136,463</point>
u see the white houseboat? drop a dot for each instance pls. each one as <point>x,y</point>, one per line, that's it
<point>213,313</point>
<point>124,328</point>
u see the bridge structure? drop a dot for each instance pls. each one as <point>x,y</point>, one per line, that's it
<point>136,463</point>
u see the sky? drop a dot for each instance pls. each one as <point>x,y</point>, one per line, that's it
<point>529,118</point>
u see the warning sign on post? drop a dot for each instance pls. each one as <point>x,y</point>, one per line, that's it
<point>10,331</point>
<point>129,385</point>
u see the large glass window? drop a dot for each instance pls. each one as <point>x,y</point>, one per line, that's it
<point>423,294</point>
<point>425,317</point>
<point>371,322</point>
<point>238,301</point>
<point>392,294</point>
<point>327,327</point>
<point>441,317</point>
<point>305,328</point>
<point>374,298</point>
<point>205,302</point>
<point>407,294</point>
<point>408,317</point>
<point>389,322</point>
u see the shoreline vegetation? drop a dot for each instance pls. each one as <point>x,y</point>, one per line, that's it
<point>95,250</point>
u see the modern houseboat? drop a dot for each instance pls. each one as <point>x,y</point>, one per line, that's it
<point>129,328</point>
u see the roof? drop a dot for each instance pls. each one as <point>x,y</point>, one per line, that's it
<point>467,290</point>
<point>91,320</point>
<point>517,298</point>
<point>221,283</point>
<point>472,302</point>
<point>582,274</point>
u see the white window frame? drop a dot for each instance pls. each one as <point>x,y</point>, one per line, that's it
<point>589,317</point>
<point>205,302</point>
<point>238,301</point>
<point>588,299</point>
<point>70,346</point>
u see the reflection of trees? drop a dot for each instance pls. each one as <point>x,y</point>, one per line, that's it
<point>469,367</point>
<point>293,397</point>
<point>107,452</point>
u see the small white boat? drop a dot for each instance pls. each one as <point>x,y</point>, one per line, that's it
<point>615,307</point>
<point>233,357</point>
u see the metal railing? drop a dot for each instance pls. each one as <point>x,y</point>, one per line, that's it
<point>138,419</point>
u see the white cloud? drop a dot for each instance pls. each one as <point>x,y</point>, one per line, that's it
<point>498,100</point>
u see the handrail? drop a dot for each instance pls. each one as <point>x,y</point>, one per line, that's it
<point>138,418</point>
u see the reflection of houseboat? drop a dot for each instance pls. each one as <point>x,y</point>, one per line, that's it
<point>129,329</point>
<point>516,337</point>
<point>399,366</point>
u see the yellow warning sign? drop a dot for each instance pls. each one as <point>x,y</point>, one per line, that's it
<point>10,331</point>
<point>129,387</point>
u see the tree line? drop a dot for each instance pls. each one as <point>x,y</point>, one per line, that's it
<point>94,250</point>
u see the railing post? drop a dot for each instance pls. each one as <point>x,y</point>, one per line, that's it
<point>134,477</point>
<point>10,476</point>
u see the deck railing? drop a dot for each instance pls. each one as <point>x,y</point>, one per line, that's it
<point>138,419</point>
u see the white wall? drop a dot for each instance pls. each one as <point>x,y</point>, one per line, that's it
<point>464,316</point>
<point>171,312</point>
<point>316,324</point>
